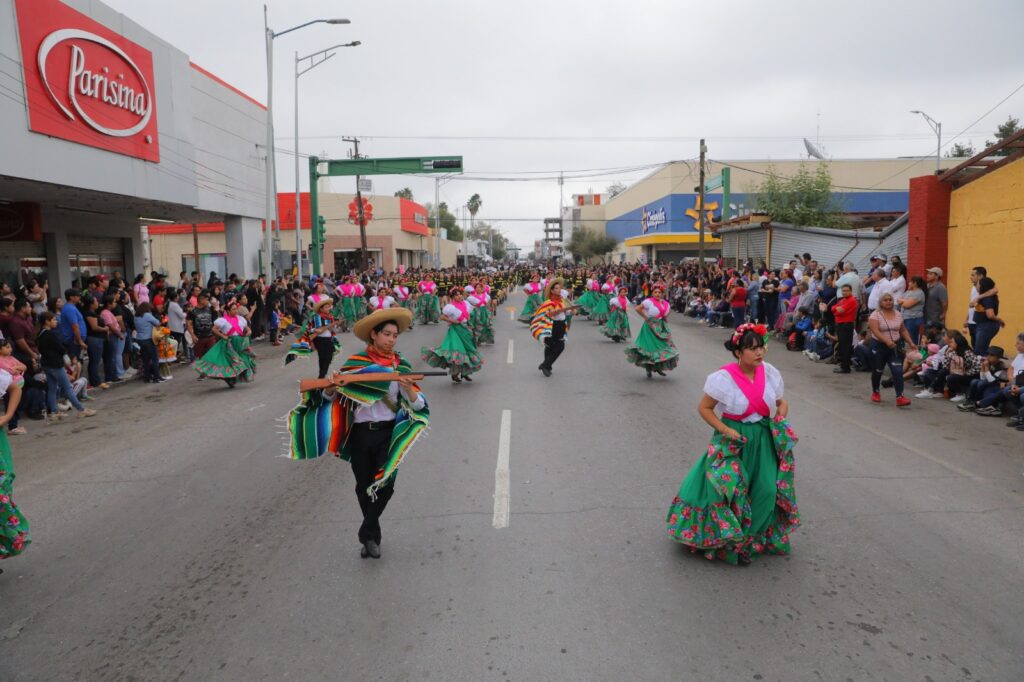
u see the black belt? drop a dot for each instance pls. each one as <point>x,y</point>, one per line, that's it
<point>376,426</point>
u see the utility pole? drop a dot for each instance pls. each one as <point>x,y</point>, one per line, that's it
<point>434,248</point>
<point>700,206</point>
<point>363,264</point>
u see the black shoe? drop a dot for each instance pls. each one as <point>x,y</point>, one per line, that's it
<point>963,407</point>
<point>370,550</point>
<point>660,373</point>
<point>840,370</point>
<point>743,560</point>
<point>467,378</point>
<point>456,379</point>
<point>649,374</point>
<point>547,372</point>
<point>230,382</point>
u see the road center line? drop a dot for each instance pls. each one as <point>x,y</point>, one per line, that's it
<point>510,346</point>
<point>512,314</point>
<point>502,476</point>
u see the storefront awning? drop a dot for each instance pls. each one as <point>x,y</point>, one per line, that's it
<point>669,239</point>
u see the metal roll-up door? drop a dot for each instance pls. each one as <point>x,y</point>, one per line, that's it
<point>90,256</point>
<point>100,246</point>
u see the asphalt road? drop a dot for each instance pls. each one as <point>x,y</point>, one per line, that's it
<point>173,541</point>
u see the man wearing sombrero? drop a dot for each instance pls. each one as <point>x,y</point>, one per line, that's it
<point>372,425</point>
<point>548,324</point>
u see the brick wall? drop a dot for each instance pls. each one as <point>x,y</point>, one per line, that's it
<point>927,231</point>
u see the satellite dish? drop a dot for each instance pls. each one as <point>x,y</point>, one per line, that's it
<point>812,150</point>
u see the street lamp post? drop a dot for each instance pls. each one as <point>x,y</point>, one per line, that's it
<point>315,60</point>
<point>269,35</point>
<point>937,129</point>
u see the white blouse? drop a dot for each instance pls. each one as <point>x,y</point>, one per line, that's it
<point>375,301</point>
<point>5,382</point>
<point>722,387</point>
<point>453,313</point>
<point>615,303</point>
<point>225,326</point>
<point>652,310</point>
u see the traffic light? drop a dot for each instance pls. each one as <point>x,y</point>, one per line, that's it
<point>367,211</point>
<point>353,212</point>
<point>321,230</point>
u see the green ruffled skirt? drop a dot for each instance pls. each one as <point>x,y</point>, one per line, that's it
<point>617,327</point>
<point>14,537</point>
<point>600,310</point>
<point>653,348</point>
<point>532,302</point>
<point>457,352</point>
<point>482,325</point>
<point>228,359</point>
<point>428,309</point>
<point>586,301</point>
<point>739,497</point>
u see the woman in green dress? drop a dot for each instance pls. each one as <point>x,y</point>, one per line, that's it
<point>230,358</point>
<point>739,501</point>
<point>533,289</point>
<point>653,349</point>
<point>14,535</point>
<point>617,326</point>
<point>457,352</point>
<point>600,308</point>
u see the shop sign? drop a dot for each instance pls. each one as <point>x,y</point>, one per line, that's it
<point>651,220</point>
<point>86,83</point>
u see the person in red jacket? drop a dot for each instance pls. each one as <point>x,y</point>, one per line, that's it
<point>844,310</point>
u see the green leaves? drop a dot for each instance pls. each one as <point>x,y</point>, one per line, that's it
<point>806,198</point>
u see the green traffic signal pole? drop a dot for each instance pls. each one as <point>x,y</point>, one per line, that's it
<point>342,167</point>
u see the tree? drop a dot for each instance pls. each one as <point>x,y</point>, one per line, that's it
<point>448,221</point>
<point>615,188</point>
<point>585,244</point>
<point>806,198</point>
<point>1004,131</point>
<point>405,193</point>
<point>961,151</point>
<point>473,206</point>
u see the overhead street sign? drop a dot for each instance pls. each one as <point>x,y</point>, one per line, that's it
<point>407,165</point>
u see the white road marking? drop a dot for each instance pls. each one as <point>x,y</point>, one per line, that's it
<point>509,359</point>
<point>502,476</point>
<point>512,314</point>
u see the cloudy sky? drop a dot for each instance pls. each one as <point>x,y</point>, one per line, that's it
<point>603,90</point>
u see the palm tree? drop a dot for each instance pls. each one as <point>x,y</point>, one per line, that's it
<point>473,205</point>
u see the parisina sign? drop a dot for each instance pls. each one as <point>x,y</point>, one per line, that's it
<point>85,83</point>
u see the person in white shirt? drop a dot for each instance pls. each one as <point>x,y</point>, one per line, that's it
<point>654,350</point>
<point>382,300</point>
<point>380,427</point>
<point>457,352</point>
<point>897,281</point>
<point>880,286</point>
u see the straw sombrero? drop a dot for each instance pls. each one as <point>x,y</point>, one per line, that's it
<point>322,301</point>
<point>547,289</point>
<point>400,316</point>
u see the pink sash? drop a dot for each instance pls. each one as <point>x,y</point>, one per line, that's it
<point>662,307</point>
<point>346,289</point>
<point>623,302</point>
<point>380,303</point>
<point>533,288</point>
<point>461,305</point>
<point>595,285</point>
<point>402,292</point>
<point>236,327</point>
<point>752,390</point>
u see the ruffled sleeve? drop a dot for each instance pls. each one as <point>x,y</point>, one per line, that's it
<point>719,386</point>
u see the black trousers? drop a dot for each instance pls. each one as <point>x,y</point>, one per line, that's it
<point>324,352</point>
<point>369,453</point>
<point>554,344</point>
<point>844,334</point>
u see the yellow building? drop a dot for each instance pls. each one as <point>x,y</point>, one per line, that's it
<point>986,227</point>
